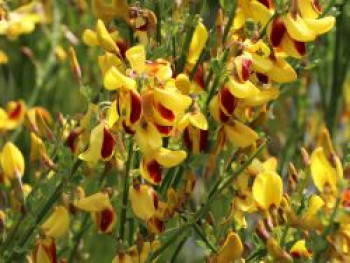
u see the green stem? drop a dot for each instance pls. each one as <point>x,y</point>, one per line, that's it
<point>178,249</point>
<point>204,238</point>
<point>229,22</point>
<point>126,178</point>
<point>340,64</point>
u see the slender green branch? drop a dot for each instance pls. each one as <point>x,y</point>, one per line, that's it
<point>126,178</point>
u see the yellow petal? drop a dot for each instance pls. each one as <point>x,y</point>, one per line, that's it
<point>183,83</point>
<point>270,164</point>
<point>240,134</point>
<point>109,60</point>
<point>112,114</point>
<point>263,97</point>
<point>90,38</point>
<point>290,47</point>
<point>309,8</point>
<point>242,90</point>
<point>239,20</point>
<point>321,25</point>
<point>12,161</point>
<point>198,120</point>
<point>199,38</point>
<point>323,173</point>
<point>137,56</point>
<point>298,29</point>
<point>299,249</point>
<point>148,137</point>
<point>93,153</point>
<point>114,79</point>
<point>144,201</point>
<point>93,203</point>
<point>282,71</point>
<point>171,99</point>
<point>261,64</point>
<point>104,39</point>
<point>168,158</point>
<point>315,204</point>
<point>231,250</point>
<point>260,13</point>
<point>267,190</point>
<point>58,222</point>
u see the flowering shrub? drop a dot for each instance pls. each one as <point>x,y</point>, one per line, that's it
<point>143,131</point>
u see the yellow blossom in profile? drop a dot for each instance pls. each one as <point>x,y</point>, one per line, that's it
<point>267,190</point>
<point>58,222</point>
<point>232,248</point>
<point>12,161</point>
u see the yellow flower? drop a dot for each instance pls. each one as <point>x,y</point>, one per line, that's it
<point>38,151</point>
<point>267,190</point>
<point>195,128</point>
<point>299,250</point>
<point>23,20</point>
<point>136,56</point>
<point>239,134</point>
<point>114,79</point>
<point>12,161</point>
<point>101,145</point>
<point>231,250</point>
<point>13,116</point>
<point>44,251</point>
<point>148,137</point>
<point>199,38</point>
<point>144,200</point>
<point>104,39</point>
<point>101,210</point>
<point>58,222</point>
<point>152,163</point>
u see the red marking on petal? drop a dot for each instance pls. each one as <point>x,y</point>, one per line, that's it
<point>346,198</point>
<point>223,117</point>
<point>187,139</point>
<point>203,134</point>
<point>51,250</point>
<point>71,140</point>
<point>155,199</point>
<point>165,112</point>
<point>155,171</point>
<point>262,78</point>
<point>295,254</point>
<point>106,219</point>
<point>135,107</point>
<point>127,129</point>
<point>158,224</point>
<point>316,5</point>
<point>300,47</point>
<point>123,47</point>
<point>108,144</point>
<point>246,68</point>
<point>16,112</point>
<point>266,3</point>
<point>165,130</point>
<point>199,77</point>
<point>277,32</point>
<point>227,100</point>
